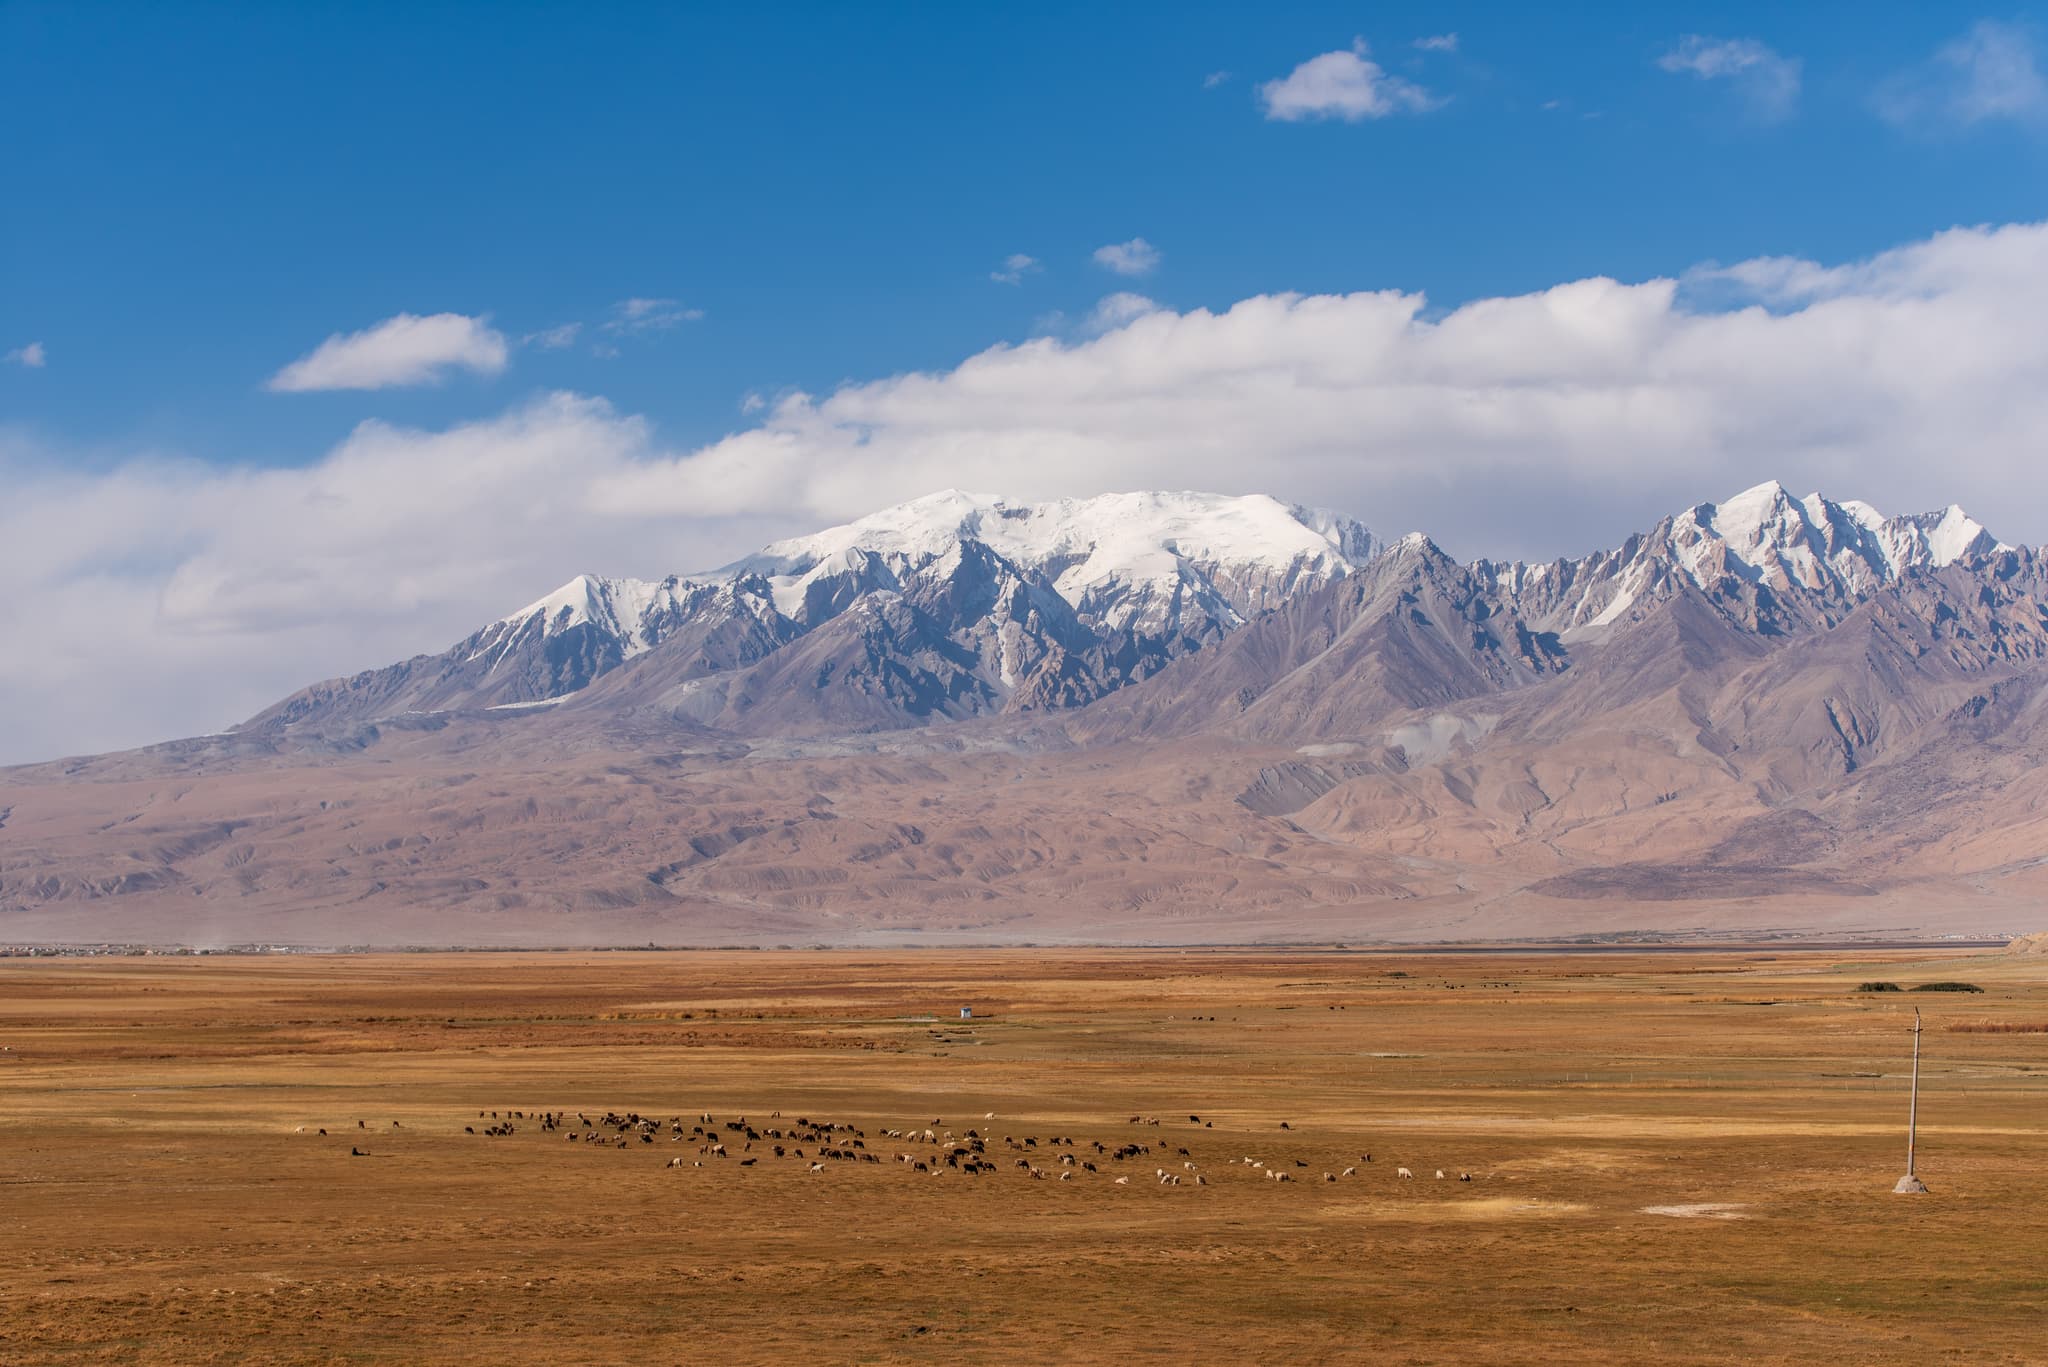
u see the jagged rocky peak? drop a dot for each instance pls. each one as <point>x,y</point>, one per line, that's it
<point>1811,541</point>
<point>1807,558</point>
<point>621,608</point>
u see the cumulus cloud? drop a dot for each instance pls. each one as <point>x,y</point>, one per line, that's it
<point>402,350</point>
<point>186,596</point>
<point>1014,268</point>
<point>1347,85</point>
<point>1991,72</point>
<point>1766,81</point>
<point>1135,257</point>
<point>1536,425</point>
<point>31,356</point>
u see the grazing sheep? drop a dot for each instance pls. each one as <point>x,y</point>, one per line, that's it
<point>1439,1174</point>
<point>1402,1172</point>
<point>1123,1181</point>
<point>1351,1172</point>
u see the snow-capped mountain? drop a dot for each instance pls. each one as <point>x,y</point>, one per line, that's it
<point>958,605</point>
<point>951,605</point>
<point>1877,617</point>
<point>1813,558</point>
<point>1759,699</point>
<point>1148,563</point>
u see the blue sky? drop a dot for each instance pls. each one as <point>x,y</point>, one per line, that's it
<point>203,193</point>
<point>328,332</point>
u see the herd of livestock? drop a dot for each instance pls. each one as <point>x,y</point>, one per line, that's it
<point>932,1149</point>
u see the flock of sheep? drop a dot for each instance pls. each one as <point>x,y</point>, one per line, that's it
<point>932,1149</point>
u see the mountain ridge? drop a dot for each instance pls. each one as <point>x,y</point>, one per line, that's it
<point>1074,599</point>
<point>1767,714</point>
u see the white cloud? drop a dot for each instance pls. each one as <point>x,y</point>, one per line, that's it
<point>1535,424</point>
<point>1014,268</point>
<point>1345,84</point>
<point>1991,72</point>
<point>32,356</point>
<point>1442,42</point>
<point>1114,310</point>
<point>1539,424</point>
<point>631,316</point>
<point>555,338</point>
<point>1767,81</point>
<point>403,350</point>
<point>189,596</point>
<point>1135,257</point>
<point>1214,79</point>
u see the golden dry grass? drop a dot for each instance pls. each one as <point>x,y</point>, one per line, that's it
<point>158,1204</point>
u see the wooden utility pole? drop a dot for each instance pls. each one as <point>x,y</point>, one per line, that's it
<point>1910,1184</point>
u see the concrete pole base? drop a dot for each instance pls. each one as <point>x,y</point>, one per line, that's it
<point>1909,1185</point>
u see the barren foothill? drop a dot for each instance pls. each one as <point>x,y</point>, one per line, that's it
<point>166,1196</point>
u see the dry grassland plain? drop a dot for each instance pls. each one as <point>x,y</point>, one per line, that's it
<point>1674,1158</point>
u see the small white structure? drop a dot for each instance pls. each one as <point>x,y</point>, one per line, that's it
<point>967,1013</point>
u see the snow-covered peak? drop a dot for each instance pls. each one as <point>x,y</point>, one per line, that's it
<point>1163,562</point>
<point>1766,534</point>
<point>1945,537</point>
<point>1109,528</point>
<point>617,607</point>
<point>1136,546</point>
